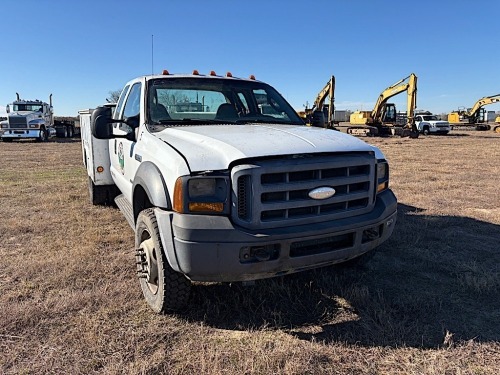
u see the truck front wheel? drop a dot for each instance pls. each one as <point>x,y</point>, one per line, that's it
<point>163,288</point>
<point>42,135</point>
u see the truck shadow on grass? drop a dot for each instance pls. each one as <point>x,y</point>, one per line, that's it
<point>75,139</point>
<point>452,134</point>
<point>435,282</point>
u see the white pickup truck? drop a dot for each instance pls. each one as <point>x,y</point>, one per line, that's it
<point>430,124</point>
<point>215,190</point>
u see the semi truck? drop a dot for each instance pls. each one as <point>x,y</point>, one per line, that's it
<point>216,189</point>
<point>33,119</point>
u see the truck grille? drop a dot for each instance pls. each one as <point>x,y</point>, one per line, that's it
<point>275,193</point>
<point>18,122</point>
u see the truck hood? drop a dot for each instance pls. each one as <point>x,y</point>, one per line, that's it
<point>435,121</point>
<point>29,115</point>
<point>215,147</point>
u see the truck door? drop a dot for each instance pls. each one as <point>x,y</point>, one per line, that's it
<point>123,163</point>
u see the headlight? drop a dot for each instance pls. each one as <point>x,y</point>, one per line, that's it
<point>34,126</point>
<point>382,175</point>
<point>4,126</point>
<point>201,194</point>
<point>201,187</point>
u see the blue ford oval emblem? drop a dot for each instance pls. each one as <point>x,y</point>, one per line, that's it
<point>324,192</point>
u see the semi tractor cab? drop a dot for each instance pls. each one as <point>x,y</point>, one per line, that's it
<point>218,190</point>
<point>33,119</point>
<point>28,119</point>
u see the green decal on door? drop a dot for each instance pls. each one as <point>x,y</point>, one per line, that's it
<point>121,158</point>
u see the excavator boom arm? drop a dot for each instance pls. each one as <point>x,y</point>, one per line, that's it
<point>411,102</point>
<point>406,84</point>
<point>482,102</point>
<point>327,92</point>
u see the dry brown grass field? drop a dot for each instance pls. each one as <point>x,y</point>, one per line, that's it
<point>427,302</point>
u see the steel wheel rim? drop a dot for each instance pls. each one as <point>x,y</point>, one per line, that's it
<point>151,266</point>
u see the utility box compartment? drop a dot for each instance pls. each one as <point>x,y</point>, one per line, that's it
<point>95,152</point>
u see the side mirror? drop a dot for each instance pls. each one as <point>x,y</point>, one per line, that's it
<point>7,109</point>
<point>101,123</point>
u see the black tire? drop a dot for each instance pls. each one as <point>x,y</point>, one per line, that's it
<point>426,131</point>
<point>101,195</point>
<point>42,135</point>
<point>71,131</point>
<point>164,289</point>
<point>7,139</point>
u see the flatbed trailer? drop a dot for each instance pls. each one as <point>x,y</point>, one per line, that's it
<point>66,128</point>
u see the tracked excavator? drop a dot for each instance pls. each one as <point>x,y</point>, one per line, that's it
<point>475,116</point>
<point>382,119</point>
<point>321,113</point>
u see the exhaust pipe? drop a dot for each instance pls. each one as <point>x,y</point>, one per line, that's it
<point>17,96</point>
<point>50,99</point>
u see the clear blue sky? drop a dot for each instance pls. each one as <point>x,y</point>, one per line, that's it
<point>79,50</point>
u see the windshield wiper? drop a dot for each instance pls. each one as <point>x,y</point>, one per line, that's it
<point>262,121</point>
<point>191,121</point>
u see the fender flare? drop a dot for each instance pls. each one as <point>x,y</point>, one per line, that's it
<point>149,177</point>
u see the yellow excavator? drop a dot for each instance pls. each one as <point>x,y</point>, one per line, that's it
<point>382,119</point>
<point>321,114</point>
<point>475,116</point>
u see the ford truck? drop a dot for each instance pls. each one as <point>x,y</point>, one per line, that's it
<point>218,190</point>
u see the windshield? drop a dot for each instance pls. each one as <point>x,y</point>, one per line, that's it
<point>430,118</point>
<point>27,107</point>
<point>198,101</point>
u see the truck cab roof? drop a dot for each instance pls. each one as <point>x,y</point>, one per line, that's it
<point>195,99</point>
<point>166,74</point>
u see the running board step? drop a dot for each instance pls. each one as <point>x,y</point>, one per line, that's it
<point>126,209</point>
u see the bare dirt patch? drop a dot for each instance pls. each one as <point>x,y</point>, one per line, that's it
<point>427,302</point>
